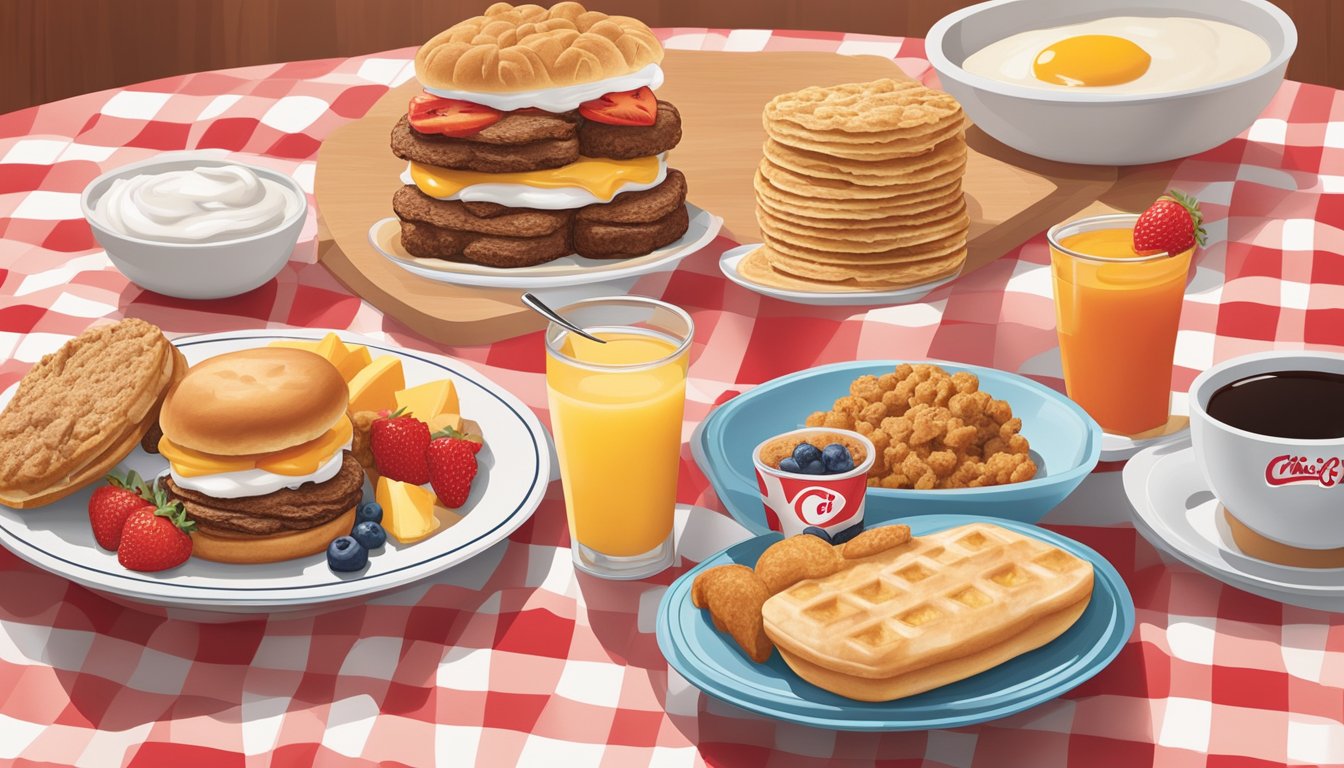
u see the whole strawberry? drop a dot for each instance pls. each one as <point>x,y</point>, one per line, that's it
<point>111,504</point>
<point>452,467</point>
<point>399,443</point>
<point>156,537</point>
<point>1172,224</point>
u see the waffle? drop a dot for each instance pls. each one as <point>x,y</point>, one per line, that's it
<point>935,610</point>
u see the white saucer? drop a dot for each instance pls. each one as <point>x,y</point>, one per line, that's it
<point>565,272</point>
<point>1177,513</point>
<point>1122,447</point>
<point>731,258</point>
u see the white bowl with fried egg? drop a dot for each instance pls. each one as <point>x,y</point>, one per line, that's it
<point>1113,82</point>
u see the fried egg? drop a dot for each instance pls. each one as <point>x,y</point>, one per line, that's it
<point>1123,54</point>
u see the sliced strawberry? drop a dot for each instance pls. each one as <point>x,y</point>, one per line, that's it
<point>450,117</point>
<point>637,107</point>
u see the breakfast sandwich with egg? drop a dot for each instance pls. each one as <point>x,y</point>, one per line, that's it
<point>258,446</point>
<point>537,136</point>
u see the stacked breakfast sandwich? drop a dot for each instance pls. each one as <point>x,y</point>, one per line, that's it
<point>538,136</point>
<point>860,188</point>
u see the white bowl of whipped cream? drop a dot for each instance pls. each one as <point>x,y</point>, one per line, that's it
<point>196,225</point>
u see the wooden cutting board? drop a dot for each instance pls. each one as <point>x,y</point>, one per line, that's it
<point>720,95</point>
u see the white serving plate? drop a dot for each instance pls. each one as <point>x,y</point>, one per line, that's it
<point>565,272</point>
<point>729,261</point>
<point>514,472</point>
<point>1176,512</point>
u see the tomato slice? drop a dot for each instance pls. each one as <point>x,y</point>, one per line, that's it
<point>451,117</point>
<point>637,107</point>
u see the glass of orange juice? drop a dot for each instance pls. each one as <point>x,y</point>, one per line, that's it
<point>1117,314</point>
<point>617,411</point>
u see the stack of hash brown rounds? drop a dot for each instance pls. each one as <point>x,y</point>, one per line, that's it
<point>860,188</point>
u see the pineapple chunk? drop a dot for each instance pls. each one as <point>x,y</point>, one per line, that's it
<point>408,510</point>
<point>332,348</point>
<point>375,387</point>
<point>442,420</point>
<point>429,400</point>
<point>356,359</point>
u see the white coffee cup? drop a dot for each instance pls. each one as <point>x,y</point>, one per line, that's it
<point>1285,489</point>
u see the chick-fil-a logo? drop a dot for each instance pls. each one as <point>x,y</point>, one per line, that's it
<point>1289,469</point>
<point>816,506</point>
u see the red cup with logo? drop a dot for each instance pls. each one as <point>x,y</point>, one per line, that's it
<point>795,501</point>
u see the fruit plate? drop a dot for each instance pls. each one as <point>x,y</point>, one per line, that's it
<point>565,272</point>
<point>711,661</point>
<point>1065,444</point>
<point>513,475</point>
<point>731,259</point>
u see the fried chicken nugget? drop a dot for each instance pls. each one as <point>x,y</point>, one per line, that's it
<point>791,560</point>
<point>874,541</point>
<point>734,596</point>
<point>950,427</point>
<point>866,388</point>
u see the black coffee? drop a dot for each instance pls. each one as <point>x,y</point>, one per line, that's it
<point>1303,405</point>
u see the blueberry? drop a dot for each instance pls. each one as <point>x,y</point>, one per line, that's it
<point>836,455</point>
<point>842,467</point>
<point>820,533</point>
<point>369,511</point>
<point>346,554</point>
<point>788,465</point>
<point>369,534</point>
<point>814,468</point>
<point>842,536</point>
<point>805,454</point>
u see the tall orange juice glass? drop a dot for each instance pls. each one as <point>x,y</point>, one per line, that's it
<point>617,411</point>
<point>1117,315</point>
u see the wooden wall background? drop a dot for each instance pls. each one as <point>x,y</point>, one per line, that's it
<point>51,49</point>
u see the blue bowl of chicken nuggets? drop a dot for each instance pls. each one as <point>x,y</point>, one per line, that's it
<point>950,438</point>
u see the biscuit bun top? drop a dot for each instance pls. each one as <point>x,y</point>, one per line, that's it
<point>528,48</point>
<point>254,401</point>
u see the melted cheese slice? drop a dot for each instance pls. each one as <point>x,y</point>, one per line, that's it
<point>600,177</point>
<point>302,459</point>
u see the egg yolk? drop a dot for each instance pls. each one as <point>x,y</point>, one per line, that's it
<point>1091,60</point>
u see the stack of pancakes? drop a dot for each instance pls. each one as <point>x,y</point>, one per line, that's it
<point>555,200</point>
<point>82,409</point>
<point>860,188</point>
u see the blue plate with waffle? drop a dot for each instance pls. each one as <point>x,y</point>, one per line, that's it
<point>712,661</point>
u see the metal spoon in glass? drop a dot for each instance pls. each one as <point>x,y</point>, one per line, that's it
<point>536,305</point>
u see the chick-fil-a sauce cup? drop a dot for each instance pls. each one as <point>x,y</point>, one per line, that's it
<point>795,500</point>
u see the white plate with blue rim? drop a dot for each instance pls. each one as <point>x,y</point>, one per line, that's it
<point>732,259</point>
<point>512,479</point>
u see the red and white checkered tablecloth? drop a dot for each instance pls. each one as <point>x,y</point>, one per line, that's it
<point>505,660</point>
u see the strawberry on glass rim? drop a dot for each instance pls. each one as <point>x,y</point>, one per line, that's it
<point>450,117</point>
<point>1171,225</point>
<point>637,107</point>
